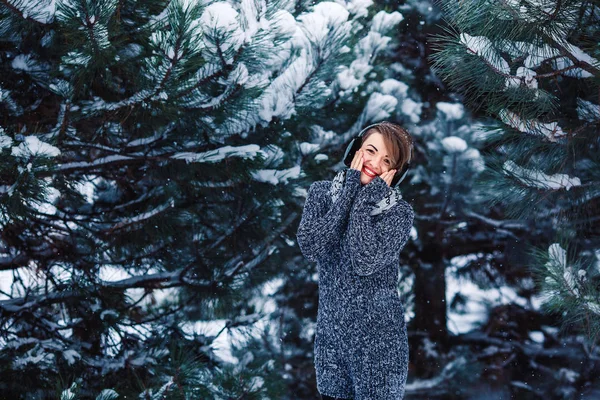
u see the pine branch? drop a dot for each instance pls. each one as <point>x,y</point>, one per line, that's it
<point>96,164</point>
<point>13,8</point>
<point>511,224</point>
<point>531,350</point>
<point>13,262</point>
<point>161,280</point>
<point>580,63</point>
<point>137,219</point>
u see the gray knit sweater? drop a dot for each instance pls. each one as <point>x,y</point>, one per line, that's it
<point>361,347</point>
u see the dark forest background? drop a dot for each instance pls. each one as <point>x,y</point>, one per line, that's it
<point>156,156</point>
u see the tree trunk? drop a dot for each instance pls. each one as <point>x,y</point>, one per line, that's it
<point>430,306</point>
<point>430,299</point>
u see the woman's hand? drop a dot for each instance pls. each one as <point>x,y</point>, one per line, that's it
<point>388,176</point>
<point>357,161</point>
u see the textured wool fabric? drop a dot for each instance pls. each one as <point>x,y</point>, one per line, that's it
<point>392,196</point>
<point>361,346</point>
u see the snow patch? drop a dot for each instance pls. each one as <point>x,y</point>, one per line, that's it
<point>5,141</point>
<point>551,130</point>
<point>524,76</point>
<point>219,23</point>
<point>452,111</point>
<point>475,311</point>
<point>537,336</point>
<point>358,8</point>
<point>274,176</point>
<point>32,146</point>
<point>412,110</point>
<point>454,144</point>
<point>537,178</point>
<point>216,155</point>
<point>71,356</point>
<point>394,87</point>
<point>308,148</point>
<point>379,107</point>
<point>383,22</point>
<point>482,47</point>
<point>586,110</point>
<point>321,157</point>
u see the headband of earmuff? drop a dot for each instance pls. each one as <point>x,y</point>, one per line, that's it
<point>355,144</point>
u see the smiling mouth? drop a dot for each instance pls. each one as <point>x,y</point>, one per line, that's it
<point>368,172</point>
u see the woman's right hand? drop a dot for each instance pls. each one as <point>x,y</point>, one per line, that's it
<point>357,161</point>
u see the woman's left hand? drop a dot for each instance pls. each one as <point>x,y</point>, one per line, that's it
<point>388,176</point>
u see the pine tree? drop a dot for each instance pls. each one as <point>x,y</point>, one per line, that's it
<point>147,154</point>
<point>534,66</point>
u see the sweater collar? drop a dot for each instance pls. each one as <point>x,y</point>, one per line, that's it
<point>388,201</point>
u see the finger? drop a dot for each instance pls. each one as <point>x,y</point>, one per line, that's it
<point>389,177</point>
<point>358,162</point>
<point>392,174</point>
<point>355,159</point>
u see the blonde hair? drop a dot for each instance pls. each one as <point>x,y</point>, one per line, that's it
<point>396,138</point>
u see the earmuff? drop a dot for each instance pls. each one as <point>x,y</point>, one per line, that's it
<point>355,144</point>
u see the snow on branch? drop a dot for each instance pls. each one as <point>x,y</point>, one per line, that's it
<point>216,155</point>
<point>160,281</point>
<point>99,105</point>
<point>573,55</point>
<point>538,179</point>
<point>481,46</point>
<point>5,140</point>
<point>588,111</point>
<point>366,50</point>
<point>551,131</point>
<point>41,11</point>
<point>100,162</point>
<point>92,18</point>
<point>32,146</point>
<point>561,273</point>
<point>146,141</point>
<point>422,386</point>
<point>141,217</point>
<point>274,176</point>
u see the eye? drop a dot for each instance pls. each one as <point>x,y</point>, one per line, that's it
<point>387,161</point>
<point>370,150</point>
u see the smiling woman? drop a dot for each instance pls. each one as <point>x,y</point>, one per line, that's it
<point>385,146</point>
<point>376,158</point>
<point>354,227</point>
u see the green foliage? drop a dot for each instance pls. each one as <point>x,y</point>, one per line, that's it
<point>571,286</point>
<point>147,167</point>
<point>533,66</point>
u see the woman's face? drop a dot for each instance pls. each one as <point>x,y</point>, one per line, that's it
<point>376,160</point>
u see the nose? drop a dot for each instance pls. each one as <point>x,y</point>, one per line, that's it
<point>376,163</point>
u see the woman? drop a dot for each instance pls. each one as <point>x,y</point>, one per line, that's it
<point>355,228</point>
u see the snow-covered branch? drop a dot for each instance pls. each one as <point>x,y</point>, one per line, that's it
<point>157,281</point>
<point>98,163</point>
<point>141,217</point>
<point>40,11</point>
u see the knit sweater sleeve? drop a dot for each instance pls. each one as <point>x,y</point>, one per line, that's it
<point>322,222</point>
<point>376,241</point>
